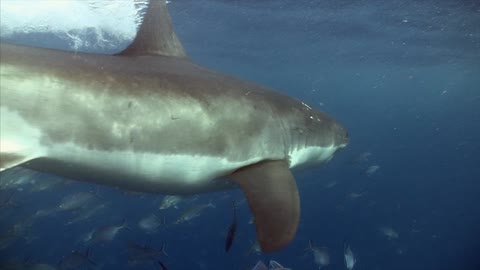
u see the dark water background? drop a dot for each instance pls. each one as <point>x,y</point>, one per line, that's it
<point>402,76</point>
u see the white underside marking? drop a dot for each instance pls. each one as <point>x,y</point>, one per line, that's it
<point>312,155</point>
<point>150,167</point>
<point>18,137</point>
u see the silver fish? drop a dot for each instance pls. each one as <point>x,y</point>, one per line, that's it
<point>140,254</point>
<point>44,184</point>
<point>88,212</point>
<point>150,223</point>
<point>192,213</point>
<point>389,232</point>
<point>170,201</point>
<point>76,201</point>
<point>277,266</point>
<point>41,266</point>
<point>108,233</point>
<point>372,169</point>
<point>76,260</point>
<point>260,266</point>
<point>254,249</point>
<point>272,265</point>
<point>321,255</point>
<point>41,213</point>
<point>349,257</point>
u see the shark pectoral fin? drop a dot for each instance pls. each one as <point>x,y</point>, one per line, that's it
<point>272,195</point>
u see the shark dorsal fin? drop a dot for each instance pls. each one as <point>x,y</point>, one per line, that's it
<point>156,35</point>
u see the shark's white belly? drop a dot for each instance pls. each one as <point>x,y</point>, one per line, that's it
<point>150,169</point>
<point>19,141</point>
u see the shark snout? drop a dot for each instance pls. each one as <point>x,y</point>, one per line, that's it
<point>341,136</point>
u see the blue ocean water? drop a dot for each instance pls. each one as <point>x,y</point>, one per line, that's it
<point>403,77</point>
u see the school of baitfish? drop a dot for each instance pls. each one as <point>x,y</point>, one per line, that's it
<point>92,208</point>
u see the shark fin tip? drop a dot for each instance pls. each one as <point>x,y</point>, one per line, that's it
<point>156,35</point>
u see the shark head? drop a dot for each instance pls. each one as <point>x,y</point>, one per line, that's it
<point>312,136</point>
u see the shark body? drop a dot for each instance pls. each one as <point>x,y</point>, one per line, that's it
<point>151,120</point>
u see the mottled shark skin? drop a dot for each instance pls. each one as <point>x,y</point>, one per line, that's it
<point>151,120</point>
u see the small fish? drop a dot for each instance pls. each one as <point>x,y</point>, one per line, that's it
<point>23,228</point>
<point>12,265</point>
<point>170,201</point>
<point>254,249</point>
<point>231,230</point>
<point>192,213</point>
<point>145,253</point>
<point>162,266</point>
<point>356,195</point>
<point>45,212</point>
<point>349,257</point>
<point>331,184</point>
<point>389,232</point>
<point>8,201</point>
<point>87,237</point>
<point>372,169</point>
<point>17,178</point>
<point>76,201</point>
<point>87,213</point>
<point>108,233</point>
<point>362,158</point>
<point>7,239</point>
<point>260,266</point>
<point>76,260</point>
<point>45,184</point>
<point>320,255</point>
<point>150,223</point>
<point>276,266</point>
<point>133,194</point>
<point>41,266</point>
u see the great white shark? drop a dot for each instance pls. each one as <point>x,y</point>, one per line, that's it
<point>149,119</point>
